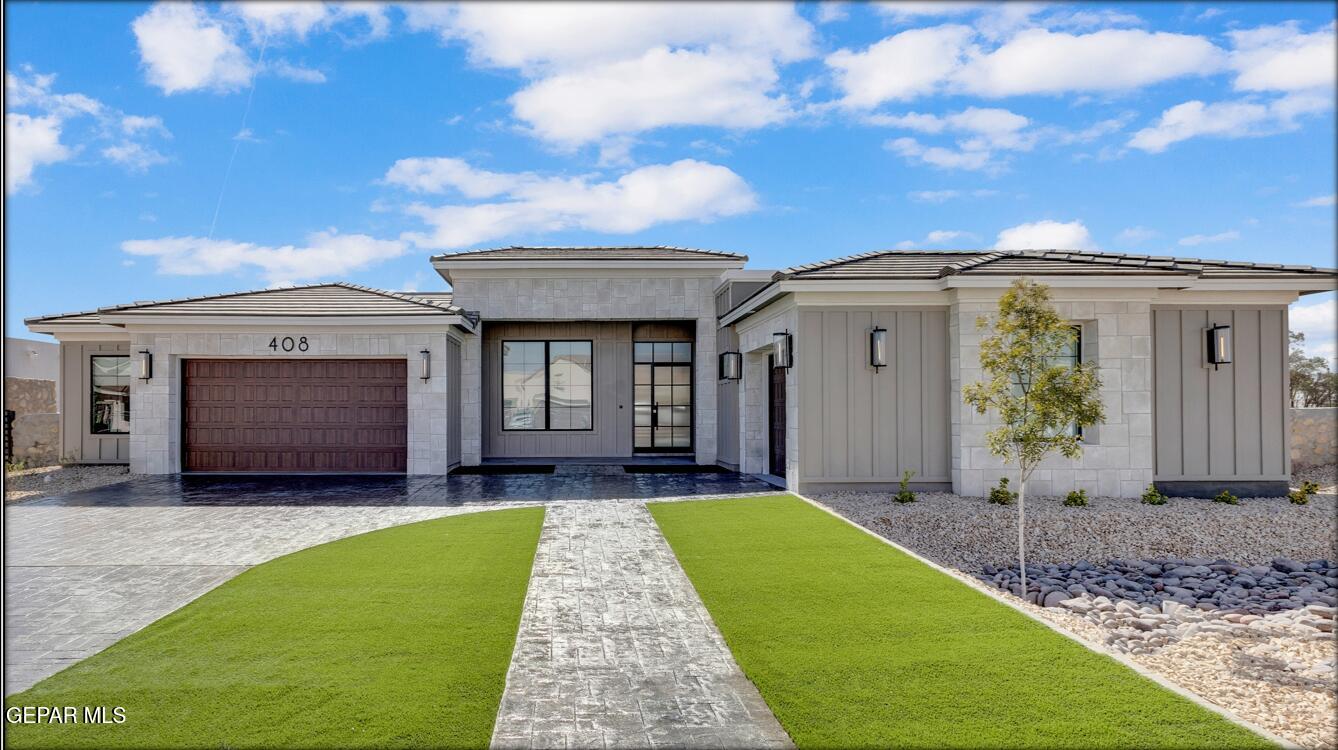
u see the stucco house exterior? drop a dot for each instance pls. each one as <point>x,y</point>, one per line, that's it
<point>618,353</point>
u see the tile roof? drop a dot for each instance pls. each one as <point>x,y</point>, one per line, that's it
<point>627,252</point>
<point>315,300</point>
<point>934,264</point>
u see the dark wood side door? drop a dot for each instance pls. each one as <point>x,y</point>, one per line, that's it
<point>776,412</point>
<point>295,415</point>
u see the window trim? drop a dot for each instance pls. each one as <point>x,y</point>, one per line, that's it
<point>92,402</point>
<point>548,393</point>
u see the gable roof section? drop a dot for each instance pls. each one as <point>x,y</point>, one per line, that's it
<point>333,301</point>
<point>937,264</point>
<point>606,253</point>
<point>316,300</point>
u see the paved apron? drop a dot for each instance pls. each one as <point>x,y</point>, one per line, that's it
<point>78,579</point>
<point>616,649</point>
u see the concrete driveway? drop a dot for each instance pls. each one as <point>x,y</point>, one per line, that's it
<point>86,569</point>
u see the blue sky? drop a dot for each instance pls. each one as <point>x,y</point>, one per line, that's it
<point>363,138</point>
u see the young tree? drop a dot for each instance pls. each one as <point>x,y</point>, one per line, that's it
<point>1038,395</point>
<point>1312,383</point>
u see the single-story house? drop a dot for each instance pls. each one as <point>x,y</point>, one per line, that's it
<point>547,353</point>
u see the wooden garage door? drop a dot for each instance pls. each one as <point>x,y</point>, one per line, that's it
<point>296,415</point>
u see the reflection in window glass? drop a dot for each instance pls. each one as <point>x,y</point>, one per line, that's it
<point>547,385</point>
<point>110,395</point>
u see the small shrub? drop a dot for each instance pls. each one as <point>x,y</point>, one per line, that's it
<point>13,466</point>
<point>1152,497</point>
<point>904,495</point>
<point>1001,495</point>
<point>1076,499</point>
<point>1227,498</point>
<point>1302,496</point>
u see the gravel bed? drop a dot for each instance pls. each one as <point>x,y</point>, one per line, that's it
<point>1325,476</point>
<point>969,533</point>
<point>44,481</point>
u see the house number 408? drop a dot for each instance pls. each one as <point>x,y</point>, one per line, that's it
<point>288,344</point>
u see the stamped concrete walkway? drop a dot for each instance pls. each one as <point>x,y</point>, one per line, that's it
<point>616,649</point>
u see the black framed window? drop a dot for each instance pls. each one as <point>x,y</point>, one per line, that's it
<point>547,385</point>
<point>1072,357</point>
<point>110,394</point>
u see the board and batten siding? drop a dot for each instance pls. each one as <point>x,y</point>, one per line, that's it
<point>1225,423</point>
<point>858,425</point>
<point>76,405</point>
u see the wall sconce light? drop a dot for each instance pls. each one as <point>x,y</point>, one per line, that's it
<point>782,356</point>
<point>1219,346</point>
<point>731,365</point>
<point>145,365</point>
<point>425,359</point>
<point>878,348</point>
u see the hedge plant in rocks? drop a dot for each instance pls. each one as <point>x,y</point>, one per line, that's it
<point>1037,394</point>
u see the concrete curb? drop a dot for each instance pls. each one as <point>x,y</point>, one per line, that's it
<point>1098,648</point>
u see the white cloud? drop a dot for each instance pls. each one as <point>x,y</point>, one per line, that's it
<point>276,18</point>
<point>951,59</point>
<point>903,66</point>
<point>685,190</point>
<point>29,143</point>
<point>984,131</point>
<point>183,49</point>
<point>1038,61</point>
<point>1135,235</point>
<point>326,254</point>
<point>831,11</point>
<point>1207,239</point>
<point>660,88</point>
<point>34,138</point>
<point>1046,235</point>
<point>910,10</point>
<point>536,37</point>
<point>1233,119</point>
<point>944,236</point>
<point>297,73</point>
<point>134,156</point>
<point>1281,58</point>
<point>1319,322</point>
<point>437,175</point>
<point>1319,201</point>
<point>938,156</point>
<point>941,196</point>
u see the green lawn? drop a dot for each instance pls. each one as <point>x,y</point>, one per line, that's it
<point>855,644</point>
<point>396,638</point>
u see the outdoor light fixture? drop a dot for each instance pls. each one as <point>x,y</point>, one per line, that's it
<point>781,355</point>
<point>425,358</point>
<point>1219,346</point>
<point>731,365</point>
<point>878,348</point>
<point>145,365</point>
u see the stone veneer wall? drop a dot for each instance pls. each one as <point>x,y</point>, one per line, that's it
<point>548,297</point>
<point>1314,437</point>
<point>755,341</point>
<point>1118,458</point>
<point>36,421</point>
<point>155,419</point>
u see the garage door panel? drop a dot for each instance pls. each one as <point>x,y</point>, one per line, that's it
<point>296,415</point>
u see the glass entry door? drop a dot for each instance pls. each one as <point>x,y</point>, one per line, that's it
<point>662,396</point>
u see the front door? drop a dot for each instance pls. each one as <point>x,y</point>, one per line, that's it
<point>776,410</point>
<point>662,396</point>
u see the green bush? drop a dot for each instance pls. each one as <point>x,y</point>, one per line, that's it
<point>1302,496</point>
<point>1076,499</point>
<point>1001,495</point>
<point>1227,498</point>
<point>1152,497</point>
<point>904,495</point>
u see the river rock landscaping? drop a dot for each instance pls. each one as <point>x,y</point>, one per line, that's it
<point>1234,603</point>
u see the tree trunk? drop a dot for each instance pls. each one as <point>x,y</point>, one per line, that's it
<point>1021,526</point>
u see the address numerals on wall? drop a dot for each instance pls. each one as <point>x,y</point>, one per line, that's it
<point>288,344</point>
